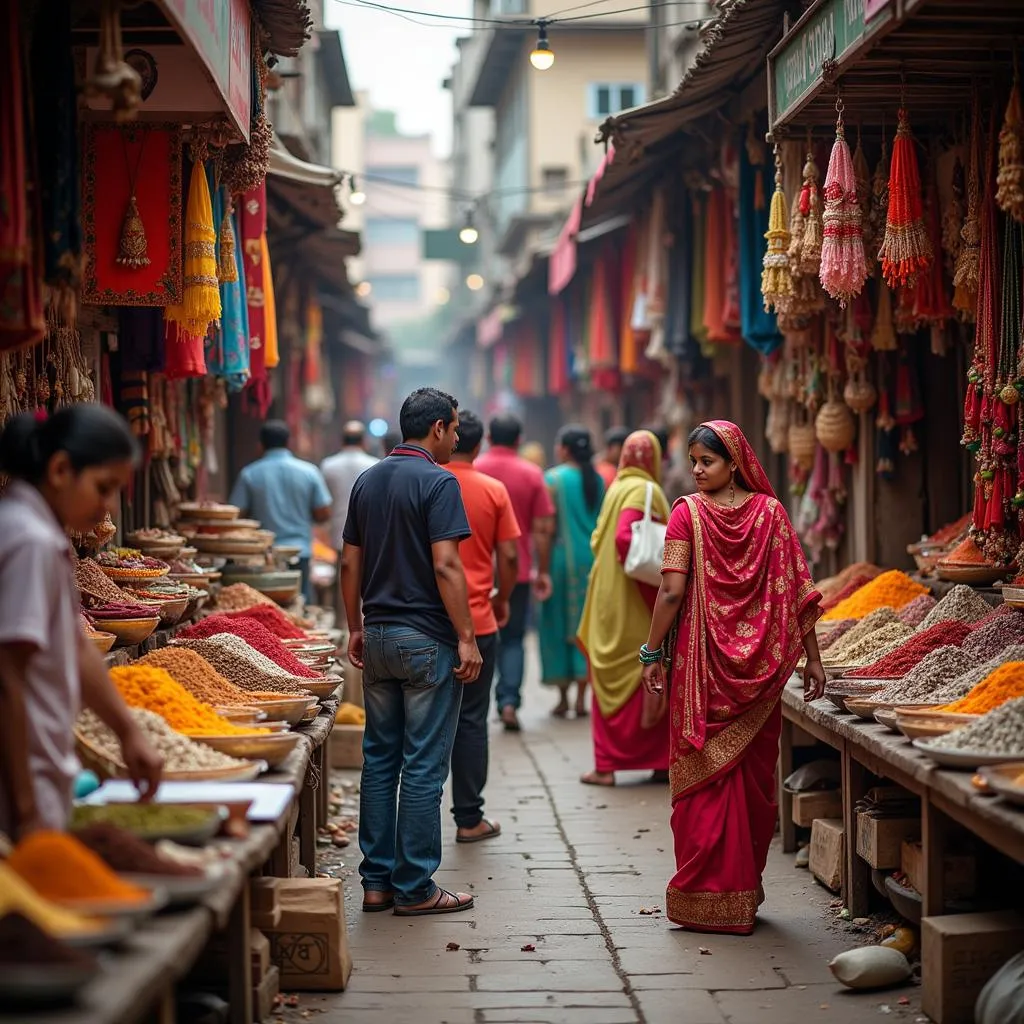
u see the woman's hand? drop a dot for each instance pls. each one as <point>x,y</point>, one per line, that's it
<point>814,680</point>
<point>654,678</point>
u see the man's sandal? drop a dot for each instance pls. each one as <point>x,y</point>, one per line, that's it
<point>445,902</point>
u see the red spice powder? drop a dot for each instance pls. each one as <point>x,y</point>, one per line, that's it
<point>272,618</point>
<point>900,661</point>
<point>841,595</point>
<point>254,634</point>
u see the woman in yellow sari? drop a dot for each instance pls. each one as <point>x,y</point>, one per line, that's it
<point>630,726</point>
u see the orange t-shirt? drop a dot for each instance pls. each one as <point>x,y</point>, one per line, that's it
<point>492,520</point>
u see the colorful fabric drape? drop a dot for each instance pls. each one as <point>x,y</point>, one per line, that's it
<point>21,303</point>
<point>252,222</point>
<point>681,257</point>
<point>749,602</point>
<point>558,348</point>
<point>140,339</point>
<point>629,347</point>
<point>757,326</point>
<point>698,208</point>
<point>272,355</point>
<point>718,238</point>
<point>227,347</point>
<point>601,324</point>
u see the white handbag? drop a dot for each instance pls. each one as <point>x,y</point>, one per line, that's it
<point>646,546</point>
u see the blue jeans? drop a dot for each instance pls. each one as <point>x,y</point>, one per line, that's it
<point>412,701</point>
<point>511,656</point>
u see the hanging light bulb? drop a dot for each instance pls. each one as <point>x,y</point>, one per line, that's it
<point>469,234</point>
<point>474,282</point>
<point>542,56</point>
<point>356,196</point>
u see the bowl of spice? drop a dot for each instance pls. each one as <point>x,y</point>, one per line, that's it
<point>191,826</point>
<point>271,747</point>
<point>129,565</point>
<point>916,723</point>
<point>1007,780</point>
<point>966,563</point>
<point>18,896</point>
<point>36,969</point>
<point>990,739</point>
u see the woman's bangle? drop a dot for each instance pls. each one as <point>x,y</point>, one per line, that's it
<point>649,657</point>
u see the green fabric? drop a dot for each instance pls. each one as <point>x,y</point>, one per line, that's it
<point>561,659</point>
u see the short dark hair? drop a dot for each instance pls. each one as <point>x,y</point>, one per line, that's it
<point>351,437</point>
<point>275,434</point>
<point>471,432</point>
<point>422,409</point>
<point>616,436</point>
<point>505,430</point>
<point>661,433</point>
<point>91,434</point>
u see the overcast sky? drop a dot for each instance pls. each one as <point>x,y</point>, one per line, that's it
<point>402,64</point>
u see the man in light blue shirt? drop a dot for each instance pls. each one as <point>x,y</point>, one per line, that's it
<point>285,494</point>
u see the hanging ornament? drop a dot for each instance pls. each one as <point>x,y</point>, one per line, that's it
<point>776,281</point>
<point>810,210</point>
<point>227,267</point>
<point>132,249</point>
<point>883,334</point>
<point>874,229</point>
<point>965,277</point>
<point>1008,381</point>
<point>905,248</point>
<point>843,270</point>
<point>931,303</point>
<point>953,218</point>
<point>1010,173</point>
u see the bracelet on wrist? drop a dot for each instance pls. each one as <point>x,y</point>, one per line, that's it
<point>649,657</point>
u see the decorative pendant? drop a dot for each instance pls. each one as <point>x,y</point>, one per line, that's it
<point>133,251</point>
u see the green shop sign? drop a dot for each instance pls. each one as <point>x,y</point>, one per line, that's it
<point>830,30</point>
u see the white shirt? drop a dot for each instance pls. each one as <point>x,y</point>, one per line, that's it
<point>39,606</point>
<point>341,472</point>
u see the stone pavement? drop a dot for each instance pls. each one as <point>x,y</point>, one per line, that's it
<point>563,929</point>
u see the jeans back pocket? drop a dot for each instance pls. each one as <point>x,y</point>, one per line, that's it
<point>419,662</point>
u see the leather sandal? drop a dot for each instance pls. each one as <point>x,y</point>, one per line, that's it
<point>493,830</point>
<point>445,902</point>
<point>378,906</point>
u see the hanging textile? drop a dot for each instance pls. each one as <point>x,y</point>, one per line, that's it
<point>227,348</point>
<point>629,346</point>
<point>681,256</point>
<point>698,210</point>
<point>140,339</point>
<point>252,220</point>
<point>719,239</point>
<point>271,354</point>
<point>558,348</point>
<point>757,326</point>
<point>21,304</point>
<point>601,348</point>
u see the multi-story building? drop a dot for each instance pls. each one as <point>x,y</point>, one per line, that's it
<point>674,40</point>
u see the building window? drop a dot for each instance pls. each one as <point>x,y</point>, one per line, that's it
<point>391,231</point>
<point>400,175</point>
<point>607,98</point>
<point>395,287</point>
<point>554,179</point>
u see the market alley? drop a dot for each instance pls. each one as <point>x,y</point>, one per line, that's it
<point>568,927</point>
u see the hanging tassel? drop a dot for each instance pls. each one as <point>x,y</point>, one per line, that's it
<point>1010,174</point>
<point>875,228</point>
<point>200,301</point>
<point>931,305</point>
<point>776,280</point>
<point>843,269</point>
<point>883,334</point>
<point>810,210</point>
<point>965,277</point>
<point>227,267</point>
<point>905,249</point>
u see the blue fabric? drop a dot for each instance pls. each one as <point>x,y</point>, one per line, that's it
<point>398,509</point>
<point>282,492</point>
<point>759,329</point>
<point>511,656</point>
<point>412,702</point>
<point>227,345</point>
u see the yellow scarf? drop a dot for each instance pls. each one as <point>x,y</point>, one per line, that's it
<point>271,355</point>
<point>616,620</point>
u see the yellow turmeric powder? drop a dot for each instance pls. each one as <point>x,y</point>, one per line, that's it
<point>18,897</point>
<point>61,868</point>
<point>1005,683</point>
<point>143,686</point>
<point>892,589</point>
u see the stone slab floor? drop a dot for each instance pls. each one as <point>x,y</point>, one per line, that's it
<point>567,927</point>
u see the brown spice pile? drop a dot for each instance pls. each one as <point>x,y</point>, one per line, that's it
<point>224,653</point>
<point>200,678</point>
<point>240,596</point>
<point>94,582</point>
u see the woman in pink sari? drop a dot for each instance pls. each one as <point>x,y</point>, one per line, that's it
<point>738,596</point>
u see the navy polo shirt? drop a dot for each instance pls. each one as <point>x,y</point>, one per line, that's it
<point>398,509</point>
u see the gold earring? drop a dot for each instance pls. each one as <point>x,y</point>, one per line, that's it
<point>732,486</point>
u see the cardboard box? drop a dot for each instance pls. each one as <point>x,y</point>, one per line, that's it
<point>310,945</point>
<point>827,848</point>
<point>959,871</point>
<point>822,803</point>
<point>959,953</point>
<point>880,840</point>
<point>346,746</point>
<point>260,954</point>
<point>264,903</point>
<point>264,994</point>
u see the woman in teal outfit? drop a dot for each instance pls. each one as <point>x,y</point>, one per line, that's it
<point>577,491</point>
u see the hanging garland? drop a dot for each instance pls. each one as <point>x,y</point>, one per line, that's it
<point>1010,176</point>
<point>810,210</point>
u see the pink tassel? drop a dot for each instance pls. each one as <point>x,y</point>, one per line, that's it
<point>843,266</point>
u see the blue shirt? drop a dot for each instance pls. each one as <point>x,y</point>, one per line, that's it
<point>282,491</point>
<point>398,509</point>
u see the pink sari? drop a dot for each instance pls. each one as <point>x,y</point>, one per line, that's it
<point>749,602</point>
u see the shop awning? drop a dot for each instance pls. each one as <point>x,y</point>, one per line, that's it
<point>310,190</point>
<point>287,24</point>
<point>339,89</point>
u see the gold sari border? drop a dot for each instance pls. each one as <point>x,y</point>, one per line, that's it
<point>712,911</point>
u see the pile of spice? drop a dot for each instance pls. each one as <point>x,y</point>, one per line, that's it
<point>875,645</point>
<point>893,589</point>
<point>829,639</point>
<point>128,563</point>
<point>249,670</point>
<point>920,683</point>
<point>999,732</point>
<point>120,610</point>
<point>180,754</point>
<point>240,596</point>
<point>140,817</point>
<point>845,591</point>
<point>24,944</point>
<point>966,552</point>
<point>1005,683</point>
<point>202,680</point>
<point>153,689</point>
<point>961,603</point>
<point>828,588</point>
<point>93,582</point>
<point>949,533</point>
<point>62,869</point>
<point>256,635</point>
<point>271,617</point>
<point>857,632</point>
<point>899,662</point>
<point>18,897</point>
<point>995,632</point>
<point>916,612</point>
<point>124,852</point>
<point>967,681</point>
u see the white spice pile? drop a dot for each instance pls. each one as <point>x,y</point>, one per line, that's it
<point>878,618</point>
<point>918,686</point>
<point>877,644</point>
<point>1000,732</point>
<point>962,603</point>
<point>963,684</point>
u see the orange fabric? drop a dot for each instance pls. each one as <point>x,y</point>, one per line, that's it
<point>607,471</point>
<point>492,520</point>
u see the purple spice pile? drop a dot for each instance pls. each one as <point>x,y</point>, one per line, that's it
<point>994,632</point>
<point>916,612</point>
<point>840,629</point>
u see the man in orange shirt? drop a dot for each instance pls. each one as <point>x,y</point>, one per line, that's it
<point>495,532</point>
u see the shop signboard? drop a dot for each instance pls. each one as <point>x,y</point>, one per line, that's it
<point>831,30</point>
<point>220,33</point>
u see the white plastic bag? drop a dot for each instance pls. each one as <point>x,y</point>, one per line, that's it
<point>870,967</point>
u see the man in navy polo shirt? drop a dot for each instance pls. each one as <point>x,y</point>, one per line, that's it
<point>411,632</point>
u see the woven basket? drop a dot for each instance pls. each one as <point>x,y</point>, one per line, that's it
<point>802,444</point>
<point>860,394</point>
<point>835,426</point>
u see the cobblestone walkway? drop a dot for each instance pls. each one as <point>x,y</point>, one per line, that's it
<point>563,929</point>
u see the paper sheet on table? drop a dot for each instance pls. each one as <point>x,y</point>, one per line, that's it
<point>269,799</point>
